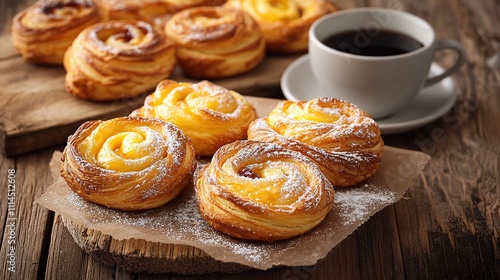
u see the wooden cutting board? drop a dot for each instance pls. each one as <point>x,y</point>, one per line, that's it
<point>36,111</point>
<point>137,255</point>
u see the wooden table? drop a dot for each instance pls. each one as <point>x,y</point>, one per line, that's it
<point>447,228</point>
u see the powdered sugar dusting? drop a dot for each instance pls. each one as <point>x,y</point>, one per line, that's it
<point>181,222</point>
<point>358,203</point>
<point>282,175</point>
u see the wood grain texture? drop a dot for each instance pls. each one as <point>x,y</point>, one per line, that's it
<point>457,200</point>
<point>448,227</point>
<point>31,223</point>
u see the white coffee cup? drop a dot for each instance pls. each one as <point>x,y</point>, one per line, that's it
<point>379,85</point>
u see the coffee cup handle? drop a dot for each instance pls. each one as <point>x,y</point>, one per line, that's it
<point>448,44</point>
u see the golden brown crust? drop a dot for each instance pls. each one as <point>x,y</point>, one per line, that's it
<point>343,140</point>
<point>128,163</point>
<point>43,32</point>
<point>117,59</point>
<point>210,115</point>
<point>262,191</point>
<point>285,23</point>
<point>156,12</point>
<point>216,42</point>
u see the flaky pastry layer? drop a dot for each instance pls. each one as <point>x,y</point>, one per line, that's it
<point>117,59</point>
<point>285,23</point>
<point>210,115</point>
<point>340,138</point>
<point>262,191</point>
<point>128,163</point>
<point>43,32</point>
<point>216,42</point>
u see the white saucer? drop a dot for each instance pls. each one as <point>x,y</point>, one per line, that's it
<point>430,104</point>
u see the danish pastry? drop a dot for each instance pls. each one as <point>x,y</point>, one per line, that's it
<point>210,115</point>
<point>128,163</point>
<point>285,23</point>
<point>156,12</point>
<point>117,59</point>
<point>43,32</point>
<point>342,139</point>
<point>216,42</point>
<point>262,191</point>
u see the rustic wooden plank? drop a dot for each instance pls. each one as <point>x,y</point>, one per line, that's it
<point>66,257</point>
<point>29,221</point>
<point>379,249</point>
<point>339,264</point>
<point>430,243</point>
<point>7,166</point>
<point>69,260</point>
<point>455,232</point>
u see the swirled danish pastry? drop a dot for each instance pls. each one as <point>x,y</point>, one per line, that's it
<point>117,59</point>
<point>210,115</point>
<point>285,23</point>
<point>216,42</point>
<point>156,12</point>
<point>262,191</point>
<point>342,139</point>
<point>128,163</point>
<point>43,32</point>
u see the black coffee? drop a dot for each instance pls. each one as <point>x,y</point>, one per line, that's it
<point>372,43</point>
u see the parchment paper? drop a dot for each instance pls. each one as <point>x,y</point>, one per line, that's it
<point>179,222</point>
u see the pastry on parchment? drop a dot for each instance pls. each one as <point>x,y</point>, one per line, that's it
<point>344,141</point>
<point>261,191</point>
<point>209,114</point>
<point>128,163</point>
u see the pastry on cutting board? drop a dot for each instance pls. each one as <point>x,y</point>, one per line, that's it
<point>118,59</point>
<point>43,32</point>
<point>156,12</point>
<point>216,42</point>
<point>285,23</point>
